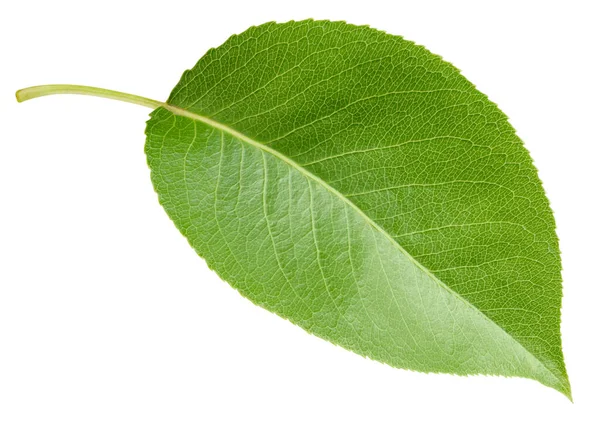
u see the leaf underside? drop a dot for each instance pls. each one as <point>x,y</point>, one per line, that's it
<point>359,186</point>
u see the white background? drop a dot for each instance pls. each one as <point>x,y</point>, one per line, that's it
<point>109,319</point>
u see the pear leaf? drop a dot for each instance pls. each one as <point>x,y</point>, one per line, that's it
<point>359,186</point>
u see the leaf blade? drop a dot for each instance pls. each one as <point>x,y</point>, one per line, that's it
<point>309,148</point>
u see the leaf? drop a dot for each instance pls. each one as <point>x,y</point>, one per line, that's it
<point>356,184</point>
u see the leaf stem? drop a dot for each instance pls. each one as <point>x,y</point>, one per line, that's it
<point>41,91</point>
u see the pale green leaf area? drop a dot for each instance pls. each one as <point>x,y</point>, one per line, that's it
<point>359,186</point>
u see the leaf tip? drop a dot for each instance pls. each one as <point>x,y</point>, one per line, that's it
<point>567,392</point>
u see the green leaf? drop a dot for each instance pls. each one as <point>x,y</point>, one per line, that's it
<point>359,186</point>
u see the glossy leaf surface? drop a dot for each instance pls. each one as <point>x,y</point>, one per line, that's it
<point>359,186</point>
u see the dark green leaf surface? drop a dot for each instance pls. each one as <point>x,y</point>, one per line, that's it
<point>359,186</point>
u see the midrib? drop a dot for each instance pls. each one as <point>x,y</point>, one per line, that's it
<point>242,137</point>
